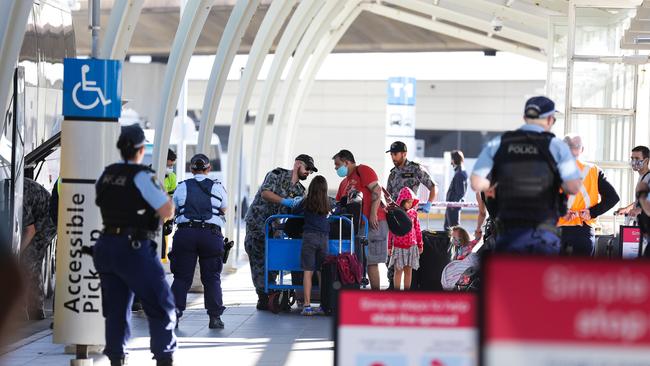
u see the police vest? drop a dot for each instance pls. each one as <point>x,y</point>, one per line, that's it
<point>198,203</point>
<point>528,182</point>
<point>120,201</point>
<point>586,198</point>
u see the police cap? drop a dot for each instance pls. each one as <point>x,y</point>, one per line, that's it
<point>199,162</point>
<point>397,146</point>
<point>131,136</point>
<point>539,107</point>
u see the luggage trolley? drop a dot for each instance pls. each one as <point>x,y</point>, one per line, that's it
<point>282,253</point>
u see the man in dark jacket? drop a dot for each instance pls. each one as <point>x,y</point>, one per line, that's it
<point>457,189</point>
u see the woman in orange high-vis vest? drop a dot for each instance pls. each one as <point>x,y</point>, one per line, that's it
<point>596,197</point>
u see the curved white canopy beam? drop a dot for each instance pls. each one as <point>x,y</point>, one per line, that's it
<point>121,26</point>
<point>324,48</point>
<point>228,45</point>
<point>297,26</point>
<point>315,32</point>
<point>189,29</point>
<point>12,32</point>
<point>273,21</point>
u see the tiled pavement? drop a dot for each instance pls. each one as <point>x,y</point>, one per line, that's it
<point>249,338</point>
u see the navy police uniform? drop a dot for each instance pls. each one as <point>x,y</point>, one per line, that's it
<point>528,166</point>
<point>201,203</point>
<point>128,196</point>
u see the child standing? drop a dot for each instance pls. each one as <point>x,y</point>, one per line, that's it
<point>461,245</point>
<point>315,208</point>
<point>405,250</point>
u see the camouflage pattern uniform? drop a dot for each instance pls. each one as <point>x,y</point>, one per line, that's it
<point>277,181</point>
<point>410,175</point>
<point>36,210</point>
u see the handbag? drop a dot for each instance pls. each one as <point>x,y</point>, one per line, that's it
<point>399,222</point>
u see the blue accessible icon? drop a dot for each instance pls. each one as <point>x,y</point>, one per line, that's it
<point>92,88</point>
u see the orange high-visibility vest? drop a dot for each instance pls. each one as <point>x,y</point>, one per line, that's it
<point>586,198</point>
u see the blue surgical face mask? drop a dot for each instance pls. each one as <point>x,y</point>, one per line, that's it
<point>342,171</point>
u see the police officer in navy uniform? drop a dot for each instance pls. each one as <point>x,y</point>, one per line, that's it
<point>528,167</point>
<point>201,206</point>
<point>132,205</point>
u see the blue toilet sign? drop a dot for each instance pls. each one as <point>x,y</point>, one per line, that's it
<point>92,88</point>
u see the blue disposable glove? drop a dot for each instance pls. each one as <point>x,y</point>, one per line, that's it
<point>291,202</point>
<point>427,207</point>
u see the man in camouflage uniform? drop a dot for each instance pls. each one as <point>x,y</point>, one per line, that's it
<point>39,230</point>
<point>280,191</point>
<point>407,174</point>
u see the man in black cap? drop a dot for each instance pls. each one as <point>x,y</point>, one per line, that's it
<point>201,206</point>
<point>407,173</point>
<point>281,188</point>
<point>132,204</point>
<point>527,167</point>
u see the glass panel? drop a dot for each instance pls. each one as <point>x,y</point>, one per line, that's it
<point>598,31</point>
<point>624,182</point>
<point>560,39</point>
<point>605,138</point>
<point>557,89</point>
<point>558,127</point>
<point>600,85</point>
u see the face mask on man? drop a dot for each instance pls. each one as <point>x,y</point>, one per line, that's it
<point>342,171</point>
<point>637,164</point>
<point>170,170</point>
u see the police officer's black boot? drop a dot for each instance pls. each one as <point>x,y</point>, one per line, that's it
<point>215,322</point>
<point>262,300</point>
<point>165,362</point>
<point>118,361</point>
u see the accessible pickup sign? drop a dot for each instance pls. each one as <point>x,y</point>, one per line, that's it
<point>392,328</point>
<point>565,312</point>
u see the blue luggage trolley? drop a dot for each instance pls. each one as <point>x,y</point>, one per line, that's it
<point>282,254</point>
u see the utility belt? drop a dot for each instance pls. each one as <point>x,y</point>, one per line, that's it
<point>133,232</point>
<point>504,226</point>
<point>199,225</point>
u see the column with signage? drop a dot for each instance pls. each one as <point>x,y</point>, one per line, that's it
<point>400,115</point>
<point>91,108</point>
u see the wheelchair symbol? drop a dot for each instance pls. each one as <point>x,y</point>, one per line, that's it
<point>88,86</point>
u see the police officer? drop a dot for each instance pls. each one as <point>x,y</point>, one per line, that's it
<point>528,167</point>
<point>407,173</point>
<point>201,204</point>
<point>281,187</point>
<point>132,204</point>
<point>596,197</point>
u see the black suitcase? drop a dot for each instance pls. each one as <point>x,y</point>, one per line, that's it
<point>433,260</point>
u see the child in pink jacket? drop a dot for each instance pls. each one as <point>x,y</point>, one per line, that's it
<point>405,250</point>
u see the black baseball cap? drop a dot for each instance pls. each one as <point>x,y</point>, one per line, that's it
<point>171,155</point>
<point>199,162</point>
<point>131,135</point>
<point>307,160</point>
<point>539,107</point>
<point>397,146</point>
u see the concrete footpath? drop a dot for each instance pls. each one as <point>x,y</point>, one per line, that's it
<point>250,337</point>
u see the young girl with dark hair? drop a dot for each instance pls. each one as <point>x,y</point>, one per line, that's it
<point>316,208</point>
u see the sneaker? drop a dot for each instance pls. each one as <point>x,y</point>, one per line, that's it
<point>319,311</point>
<point>307,310</point>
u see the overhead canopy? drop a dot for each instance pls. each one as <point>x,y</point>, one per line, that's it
<point>524,25</point>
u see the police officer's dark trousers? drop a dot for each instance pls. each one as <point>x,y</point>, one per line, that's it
<point>527,240</point>
<point>125,268</point>
<point>206,244</point>
<point>578,240</point>
<point>452,217</point>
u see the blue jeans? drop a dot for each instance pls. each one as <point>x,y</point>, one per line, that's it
<point>124,270</point>
<point>527,241</point>
<point>207,246</point>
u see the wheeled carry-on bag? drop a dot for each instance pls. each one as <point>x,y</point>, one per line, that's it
<point>434,258</point>
<point>608,245</point>
<point>338,271</point>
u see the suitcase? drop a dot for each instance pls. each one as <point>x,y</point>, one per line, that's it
<point>608,246</point>
<point>331,281</point>
<point>434,258</point>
